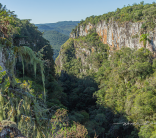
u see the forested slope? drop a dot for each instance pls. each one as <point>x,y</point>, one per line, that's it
<point>111,89</point>
<point>94,90</point>
<point>57,33</point>
<point>30,98</point>
<point>63,27</point>
<point>56,39</point>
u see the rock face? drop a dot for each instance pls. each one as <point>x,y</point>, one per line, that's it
<point>2,60</point>
<point>83,53</point>
<point>117,36</point>
<point>113,34</point>
<point>9,129</point>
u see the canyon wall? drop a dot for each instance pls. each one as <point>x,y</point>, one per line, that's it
<point>2,60</point>
<point>117,35</point>
<point>113,34</point>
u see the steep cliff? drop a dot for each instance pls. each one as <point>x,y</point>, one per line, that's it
<point>122,28</point>
<point>82,54</point>
<point>2,60</point>
<point>117,35</point>
<point>125,79</point>
<point>112,34</point>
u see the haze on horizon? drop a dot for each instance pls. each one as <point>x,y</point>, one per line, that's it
<point>51,11</point>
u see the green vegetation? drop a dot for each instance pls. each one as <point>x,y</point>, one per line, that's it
<point>56,39</point>
<point>135,36</point>
<point>25,104</point>
<point>80,86</point>
<point>63,27</point>
<point>123,88</point>
<point>57,33</point>
<point>136,13</point>
<point>144,39</point>
<point>94,94</point>
<point>126,86</point>
<point>72,65</point>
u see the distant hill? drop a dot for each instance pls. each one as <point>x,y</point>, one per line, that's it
<point>56,39</point>
<point>64,27</point>
<point>57,33</point>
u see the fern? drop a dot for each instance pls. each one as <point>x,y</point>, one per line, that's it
<point>16,108</point>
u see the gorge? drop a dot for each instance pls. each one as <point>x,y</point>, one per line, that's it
<point>102,84</point>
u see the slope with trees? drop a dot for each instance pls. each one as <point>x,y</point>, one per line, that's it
<point>57,33</point>
<point>95,94</point>
<point>23,100</point>
<point>118,98</point>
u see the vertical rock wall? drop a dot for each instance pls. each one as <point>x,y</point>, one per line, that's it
<point>117,36</point>
<point>2,60</point>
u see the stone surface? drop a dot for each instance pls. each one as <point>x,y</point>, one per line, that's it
<point>9,129</point>
<point>117,36</point>
<point>82,52</point>
<point>2,60</point>
<point>114,34</point>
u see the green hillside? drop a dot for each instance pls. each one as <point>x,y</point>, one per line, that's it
<point>112,93</point>
<point>57,33</point>
<point>56,39</point>
<point>89,92</point>
<point>64,27</point>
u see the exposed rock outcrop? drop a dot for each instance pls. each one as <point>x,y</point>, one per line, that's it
<point>118,35</point>
<point>83,53</point>
<point>2,60</point>
<point>114,34</point>
<point>9,129</point>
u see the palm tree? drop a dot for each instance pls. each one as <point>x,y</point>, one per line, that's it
<point>2,8</point>
<point>144,38</point>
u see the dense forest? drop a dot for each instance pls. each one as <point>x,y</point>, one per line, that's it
<point>57,33</point>
<point>30,104</point>
<point>115,97</point>
<point>63,27</point>
<point>56,39</point>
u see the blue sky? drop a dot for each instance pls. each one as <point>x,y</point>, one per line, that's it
<point>51,11</point>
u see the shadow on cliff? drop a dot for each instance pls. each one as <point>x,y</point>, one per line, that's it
<point>82,108</point>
